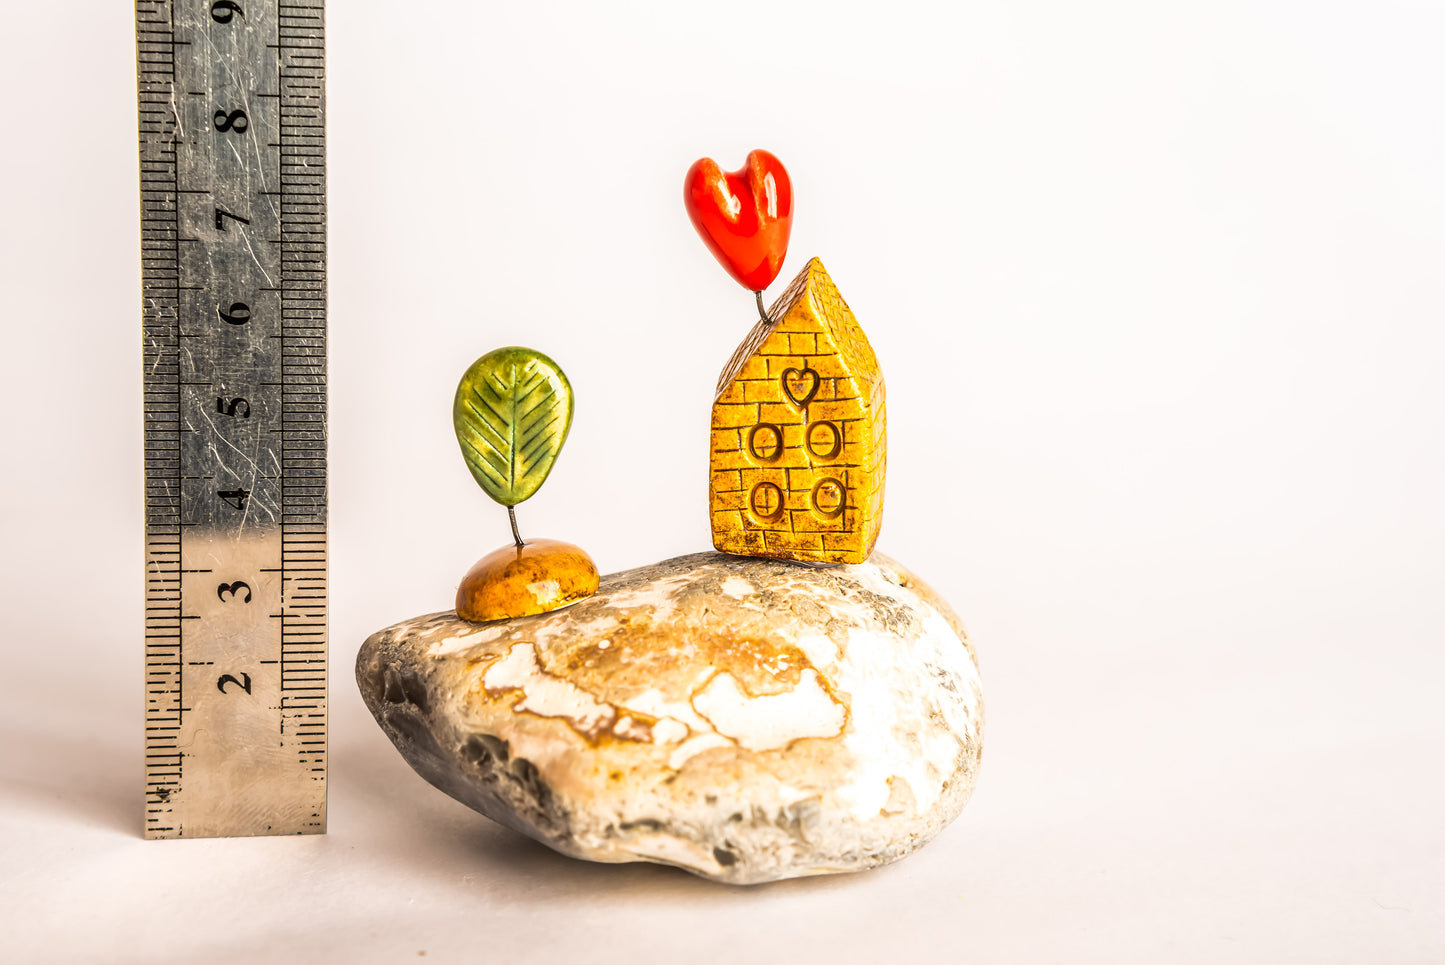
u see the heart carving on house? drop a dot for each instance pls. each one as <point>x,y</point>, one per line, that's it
<point>800,385</point>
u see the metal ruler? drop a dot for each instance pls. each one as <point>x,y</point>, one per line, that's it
<point>233,255</point>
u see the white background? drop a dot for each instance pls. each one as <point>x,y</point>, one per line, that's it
<point>1158,292</point>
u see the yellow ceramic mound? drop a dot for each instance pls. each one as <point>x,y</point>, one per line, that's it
<point>518,581</point>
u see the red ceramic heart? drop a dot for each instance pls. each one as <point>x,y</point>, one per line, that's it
<point>744,216</point>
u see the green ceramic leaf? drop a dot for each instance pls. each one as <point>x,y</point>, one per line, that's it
<point>512,412</point>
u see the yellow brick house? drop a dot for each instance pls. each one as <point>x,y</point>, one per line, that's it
<point>799,440</point>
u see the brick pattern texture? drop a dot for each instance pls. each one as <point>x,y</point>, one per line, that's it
<point>799,443</point>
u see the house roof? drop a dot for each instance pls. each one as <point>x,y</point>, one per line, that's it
<point>820,298</point>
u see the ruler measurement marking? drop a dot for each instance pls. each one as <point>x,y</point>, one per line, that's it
<point>158,208</point>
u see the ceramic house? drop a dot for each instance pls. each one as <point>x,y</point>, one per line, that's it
<point>798,433</point>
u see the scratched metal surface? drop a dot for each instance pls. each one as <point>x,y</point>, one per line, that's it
<point>233,222</point>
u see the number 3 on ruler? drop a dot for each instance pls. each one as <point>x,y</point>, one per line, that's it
<point>230,591</point>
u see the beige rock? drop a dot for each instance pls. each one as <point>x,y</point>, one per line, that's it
<point>744,719</point>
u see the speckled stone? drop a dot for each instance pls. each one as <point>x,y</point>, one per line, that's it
<point>744,719</point>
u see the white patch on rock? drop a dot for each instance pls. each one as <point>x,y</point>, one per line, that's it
<point>738,588</point>
<point>774,720</point>
<point>544,694</point>
<point>465,641</point>
<point>668,731</point>
<point>890,736</point>
<point>630,728</point>
<point>659,597</point>
<point>568,626</point>
<point>653,704</point>
<point>819,648</point>
<point>695,746</point>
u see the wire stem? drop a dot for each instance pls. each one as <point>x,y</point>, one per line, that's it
<point>512,516</point>
<point>761,312</point>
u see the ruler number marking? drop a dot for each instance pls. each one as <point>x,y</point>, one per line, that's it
<point>235,498</point>
<point>221,217</point>
<point>233,589</point>
<point>235,120</point>
<point>229,679</point>
<point>223,10</point>
<point>239,313</point>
